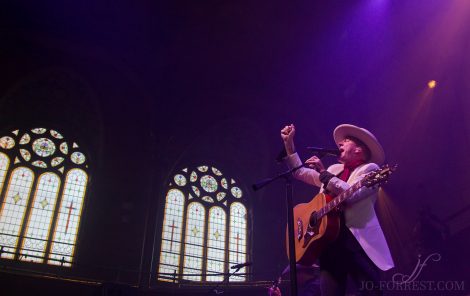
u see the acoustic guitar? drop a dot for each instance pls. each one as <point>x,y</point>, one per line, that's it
<point>317,222</point>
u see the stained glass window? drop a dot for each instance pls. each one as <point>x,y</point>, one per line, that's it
<point>238,236</point>
<point>43,147</point>
<point>25,139</point>
<point>4,163</point>
<point>66,229</point>
<point>39,223</point>
<point>56,134</point>
<point>40,216</point>
<point>216,243</point>
<point>196,190</point>
<point>180,180</point>
<point>77,157</point>
<point>7,142</point>
<point>56,161</point>
<point>13,209</point>
<point>172,231</point>
<point>236,192</point>
<point>194,242</point>
<point>208,183</point>
<point>39,164</point>
<point>223,182</point>
<point>39,130</point>
<point>193,177</point>
<point>204,228</point>
<point>208,199</point>
<point>220,196</point>
<point>216,171</point>
<point>64,148</point>
<point>25,153</point>
<point>203,168</point>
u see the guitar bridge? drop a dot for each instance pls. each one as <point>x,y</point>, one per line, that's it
<point>308,235</point>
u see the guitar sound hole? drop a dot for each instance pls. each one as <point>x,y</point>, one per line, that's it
<point>313,220</point>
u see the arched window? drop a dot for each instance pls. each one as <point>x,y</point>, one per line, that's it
<point>43,182</point>
<point>205,227</point>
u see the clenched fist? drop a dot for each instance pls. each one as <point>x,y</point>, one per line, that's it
<point>287,135</point>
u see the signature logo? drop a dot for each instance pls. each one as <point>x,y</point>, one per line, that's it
<point>404,278</point>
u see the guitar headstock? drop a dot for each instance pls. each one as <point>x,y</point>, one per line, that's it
<point>379,176</point>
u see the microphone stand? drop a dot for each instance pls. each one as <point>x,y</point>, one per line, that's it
<point>215,289</point>
<point>290,221</point>
<point>290,217</point>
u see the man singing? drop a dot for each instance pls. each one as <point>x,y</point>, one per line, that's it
<point>360,250</point>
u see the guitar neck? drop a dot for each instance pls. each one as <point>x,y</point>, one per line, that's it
<point>374,178</point>
<point>339,199</point>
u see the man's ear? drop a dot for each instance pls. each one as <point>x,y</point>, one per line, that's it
<point>360,151</point>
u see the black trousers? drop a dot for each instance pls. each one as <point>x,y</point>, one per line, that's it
<point>345,257</point>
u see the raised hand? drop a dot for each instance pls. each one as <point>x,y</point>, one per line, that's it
<point>287,135</point>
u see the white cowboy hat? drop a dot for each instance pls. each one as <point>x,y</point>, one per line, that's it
<point>377,154</point>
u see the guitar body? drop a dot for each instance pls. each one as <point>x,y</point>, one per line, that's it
<point>311,240</point>
<point>317,223</point>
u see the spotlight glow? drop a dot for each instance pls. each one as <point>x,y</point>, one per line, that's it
<point>432,84</point>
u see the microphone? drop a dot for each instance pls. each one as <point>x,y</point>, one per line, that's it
<point>324,151</point>
<point>240,265</point>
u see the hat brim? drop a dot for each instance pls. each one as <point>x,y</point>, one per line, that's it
<point>377,154</point>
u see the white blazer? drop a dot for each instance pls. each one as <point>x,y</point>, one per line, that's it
<point>359,212</point>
